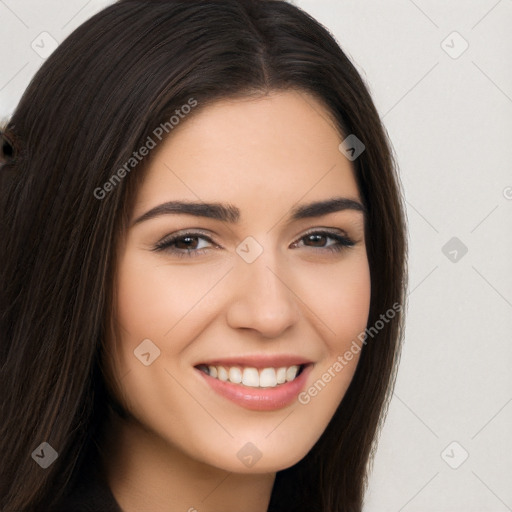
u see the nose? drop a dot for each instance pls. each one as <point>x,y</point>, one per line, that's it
<point>263,298</point>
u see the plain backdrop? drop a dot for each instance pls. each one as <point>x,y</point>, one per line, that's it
<point>441,77</point>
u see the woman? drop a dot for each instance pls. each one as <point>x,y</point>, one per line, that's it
<point>203,267</point>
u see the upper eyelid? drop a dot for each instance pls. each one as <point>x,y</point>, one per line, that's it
<point>201,234</point>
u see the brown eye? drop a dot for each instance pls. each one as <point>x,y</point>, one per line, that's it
<point>186,241</point>
<point>319,240</point>
<point>185,244</point>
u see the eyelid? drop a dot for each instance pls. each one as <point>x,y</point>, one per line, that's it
<point>322,229</point>
<point>184,233</point>
<point>344,241</point>
<point>340,235</point>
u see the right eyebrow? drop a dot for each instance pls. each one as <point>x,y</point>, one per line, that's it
<point>217,211</point>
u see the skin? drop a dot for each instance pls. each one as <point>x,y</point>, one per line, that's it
<point>264,155</point>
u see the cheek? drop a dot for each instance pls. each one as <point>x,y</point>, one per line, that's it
<point>152,298</point>
<point>147,307</point>
<point>340,296</point>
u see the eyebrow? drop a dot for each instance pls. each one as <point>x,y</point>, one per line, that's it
<point>231,214</point>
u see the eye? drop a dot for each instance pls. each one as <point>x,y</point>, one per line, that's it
<point>184,244</point>
<point>189,244</point>
<point>320,238</point>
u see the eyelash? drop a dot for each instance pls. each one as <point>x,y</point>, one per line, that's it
<point>343,242</point>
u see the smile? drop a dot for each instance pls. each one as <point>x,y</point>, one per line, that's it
<point>266,388</point>
<point>252,377</point>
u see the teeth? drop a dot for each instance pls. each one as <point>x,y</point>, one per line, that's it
<point>291,373</point>
<point>222,374</point>
<point>268,378</point>
<point>251,377</point>
<point>235,375</point>
<point>281,375</point>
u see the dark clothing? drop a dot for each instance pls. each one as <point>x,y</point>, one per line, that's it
<point>90,493</point>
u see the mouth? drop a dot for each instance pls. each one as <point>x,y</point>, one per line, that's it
<point>257,383</point>
<point>252,377</point>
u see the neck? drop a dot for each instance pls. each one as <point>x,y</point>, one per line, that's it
<point>144,472</point>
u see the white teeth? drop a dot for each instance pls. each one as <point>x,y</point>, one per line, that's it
<point>268,378</point>
<point>281,375</point>
<point>291,373</point>
<point>222,374</point>
<point>235,375</point>
<point>251,377</point>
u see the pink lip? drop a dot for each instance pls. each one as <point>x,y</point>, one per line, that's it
<point>260,399</point>
<point>258,361</point>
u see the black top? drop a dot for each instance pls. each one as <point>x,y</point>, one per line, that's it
<point>90,493</point>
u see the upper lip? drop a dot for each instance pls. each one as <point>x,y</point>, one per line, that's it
<point>258,361</point>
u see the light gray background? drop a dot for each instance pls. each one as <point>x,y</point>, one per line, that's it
<point>450,122</point>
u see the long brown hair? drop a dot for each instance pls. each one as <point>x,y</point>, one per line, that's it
<point>90,106</point>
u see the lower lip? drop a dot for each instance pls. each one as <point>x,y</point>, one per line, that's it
<point>260,399</point>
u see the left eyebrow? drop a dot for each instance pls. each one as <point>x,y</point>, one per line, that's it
<point>231,214</point>
<point>319,208</point>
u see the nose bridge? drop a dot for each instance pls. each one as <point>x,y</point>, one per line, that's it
<point>262,298</point>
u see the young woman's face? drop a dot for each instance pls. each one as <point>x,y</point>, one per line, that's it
<point>244,285</point>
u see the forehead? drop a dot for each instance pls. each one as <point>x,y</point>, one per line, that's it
<point>267,151</point>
